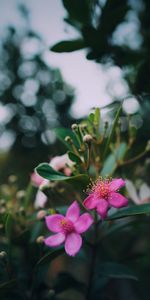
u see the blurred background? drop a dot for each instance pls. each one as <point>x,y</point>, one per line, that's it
<point>58,60</point>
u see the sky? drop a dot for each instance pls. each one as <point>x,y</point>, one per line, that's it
<point>89,79</point>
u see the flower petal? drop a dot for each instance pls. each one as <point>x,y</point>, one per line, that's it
<point>55,240</point>
<point>83,223</point>
<point>73,212</point>
<point>54,222</point>
<point>102,208</point>
<point>117,200</point>
<point>116,184</point>
<point>73,243</point>
<point>91,202</point>
<point>40,199</point>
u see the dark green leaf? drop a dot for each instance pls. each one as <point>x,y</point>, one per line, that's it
<point>46,171</point>
<point>67,281</point>
<point>74,157</point>
<point>48,257</point>
<point>112,132</point>
<point>8,226</point>
<point>78,10</point>
<point>115,270</point>
<point>68,46</point>
<point>131,211</point>
<point>7,285</point>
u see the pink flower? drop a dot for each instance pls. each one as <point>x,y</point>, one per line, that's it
<point>68,229</point>
<point>36,179</point>
<point>58,163</point>
<point>104,194</point>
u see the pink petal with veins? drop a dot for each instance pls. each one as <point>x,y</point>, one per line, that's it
<point>117,200</point>
<point>73,243</point>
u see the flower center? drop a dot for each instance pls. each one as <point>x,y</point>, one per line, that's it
<point>101,188</point>
<point>67,226</point>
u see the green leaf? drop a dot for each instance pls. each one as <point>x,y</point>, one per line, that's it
<point>131,211</point>
<point>91,118</point>
<point>115,270</point>
<point>7,285</point>
<point>61,133</point>
<point>68,46</point>
<point>48,257</point>
<point>110,137</point>
<point>46,171</point>
<point>74,158</point>
<point>97,116</point>
<point>8,226</point>
<point>78,10</point>
<point>111,161</point>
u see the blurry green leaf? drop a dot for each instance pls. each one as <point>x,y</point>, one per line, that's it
<point>68,46</point>
<point>61,133</point>
<point>8,226</point>
<point>131,211</point>
<point>78,10</point>
<point>46,171</point>
<point>36,231</point>
<point>4,287</point>
<point>48,257</point>
<point>97,116</point>
<point>110,137</point>
<point>67,281</point>
<point>91,118</point>
<point>111,161</point>
<point>115,270</point>
<point>29,196</point>
<point>74,157</point>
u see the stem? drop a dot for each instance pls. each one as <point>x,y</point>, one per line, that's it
<point>93,262</point>
<point>127,162</point>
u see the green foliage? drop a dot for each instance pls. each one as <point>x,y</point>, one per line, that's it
<point>68,46</point>
<point>131,211</point>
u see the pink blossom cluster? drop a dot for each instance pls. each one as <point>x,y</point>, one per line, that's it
<point>102,196</point>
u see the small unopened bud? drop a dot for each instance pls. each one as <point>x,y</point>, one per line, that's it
<point>3,254</point>
<point>2,210</point>
<point>74,126</point>
<point>148,146</point>
<point>51,293</point>
<point>83,126</point>
<point>12,178</point>
<point>87,138</point>
<point>40,239</point>
<point>2,202</point>
<point>20,194</point>
<point>1,226</point>
<point>41,214</point>
<point>21,210</point>
<point>68,139</point>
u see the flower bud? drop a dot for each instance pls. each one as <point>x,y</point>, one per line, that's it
<point>3,254</point>
<point>51,293</point>
<point>68,139</point>
<point>74,126</point>
<point>87,138</point>
<point>41,214</point>
<point>40,239</point>
<point>2,202</point>
<point>148,146</point>
<point>20,194</point>
<point>12,178</point>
